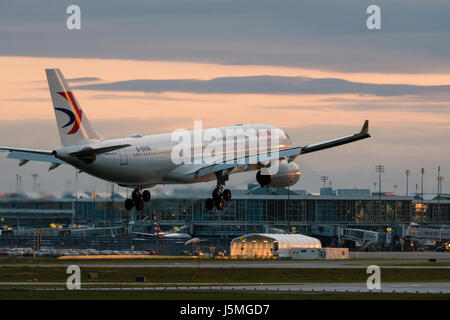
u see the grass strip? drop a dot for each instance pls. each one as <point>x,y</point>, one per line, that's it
<point>219,275</point>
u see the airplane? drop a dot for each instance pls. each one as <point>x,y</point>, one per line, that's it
<point>141,162</point>
<point>161,234</point>
<point>192,241</point>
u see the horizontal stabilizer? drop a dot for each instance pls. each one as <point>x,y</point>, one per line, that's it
<point>88,151</point>
<point>29,156</point>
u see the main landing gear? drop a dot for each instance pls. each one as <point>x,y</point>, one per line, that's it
<point>219,195</point>
<point>138,197</point>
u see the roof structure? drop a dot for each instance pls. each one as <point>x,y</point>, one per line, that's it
<point>286,241</point>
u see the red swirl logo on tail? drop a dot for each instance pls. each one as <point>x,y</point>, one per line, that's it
<point>75,115</point>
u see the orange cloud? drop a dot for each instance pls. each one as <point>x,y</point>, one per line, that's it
<point>24,94</point>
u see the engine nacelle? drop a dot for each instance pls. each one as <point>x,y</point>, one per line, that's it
<point>281,176</point>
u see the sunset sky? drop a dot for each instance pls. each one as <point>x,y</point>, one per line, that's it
<point>311,68</point>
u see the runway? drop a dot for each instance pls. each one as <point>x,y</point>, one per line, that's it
<point>293,288</point>
<point>410,287</point>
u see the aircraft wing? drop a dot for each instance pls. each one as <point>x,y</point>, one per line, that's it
<point>25,155</point>
<point>363,134</point>
<point>145,234</point>
<point>288,153</point>
<point>180,229</point>
<point>36,151</point>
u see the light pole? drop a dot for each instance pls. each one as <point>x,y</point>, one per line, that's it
<point>34,176</point>
<point>422,171</point>
<point>324,179</point>
<point>379,169</point>
<point>407,173</point>
<point>439,182</point>
<point>395,206</point>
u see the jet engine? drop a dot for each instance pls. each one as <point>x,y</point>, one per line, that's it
<point>283,174</point>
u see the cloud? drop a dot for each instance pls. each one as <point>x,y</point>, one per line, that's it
<point>412,107</point>
<point>267,85</point>
<point>73,80</point>
<point>140,97</point>
<point>84,79</point>
<point>323,34</point>
<point>30,99</point>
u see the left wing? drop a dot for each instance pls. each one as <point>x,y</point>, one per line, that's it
<point>289,153</point>
<point>25,155</point>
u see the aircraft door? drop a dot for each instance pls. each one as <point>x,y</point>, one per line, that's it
<point>123,157</point>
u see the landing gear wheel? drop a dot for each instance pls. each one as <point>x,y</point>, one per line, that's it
<point>129,204</point>
<point>135,195</point>
<point>216,195</point>
<point>220,204</point>
<point>140,204</point>
<point>209,203</point>
<point>219,196</point>
<point>146,195</point>
<point>226,195</point>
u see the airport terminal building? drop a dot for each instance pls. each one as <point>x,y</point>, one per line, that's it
<point>255,210</point>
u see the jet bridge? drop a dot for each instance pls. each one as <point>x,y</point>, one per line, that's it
<point>363,238</point>
<point>427,233</point>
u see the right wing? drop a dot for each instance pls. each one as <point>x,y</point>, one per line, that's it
<point>363,134</point>
<point>289,153</point>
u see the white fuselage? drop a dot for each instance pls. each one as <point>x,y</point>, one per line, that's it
<point>148,160</point>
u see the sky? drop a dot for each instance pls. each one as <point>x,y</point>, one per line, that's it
<point>310,67</point>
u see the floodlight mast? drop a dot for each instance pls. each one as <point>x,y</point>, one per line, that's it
<point>379,169</point>
<point>407,173</point>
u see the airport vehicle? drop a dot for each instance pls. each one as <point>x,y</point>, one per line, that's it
<point>141,162</point>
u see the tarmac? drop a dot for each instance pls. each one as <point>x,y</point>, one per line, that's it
<point>364,260</point>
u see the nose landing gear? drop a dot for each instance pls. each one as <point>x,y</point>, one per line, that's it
<point>138,197</point>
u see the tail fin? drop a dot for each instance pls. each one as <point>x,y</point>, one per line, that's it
<point>73,125</point>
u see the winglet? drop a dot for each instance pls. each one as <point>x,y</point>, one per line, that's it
<point>365,127</point>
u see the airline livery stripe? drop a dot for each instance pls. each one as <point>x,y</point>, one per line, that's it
<point>76,111</point>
